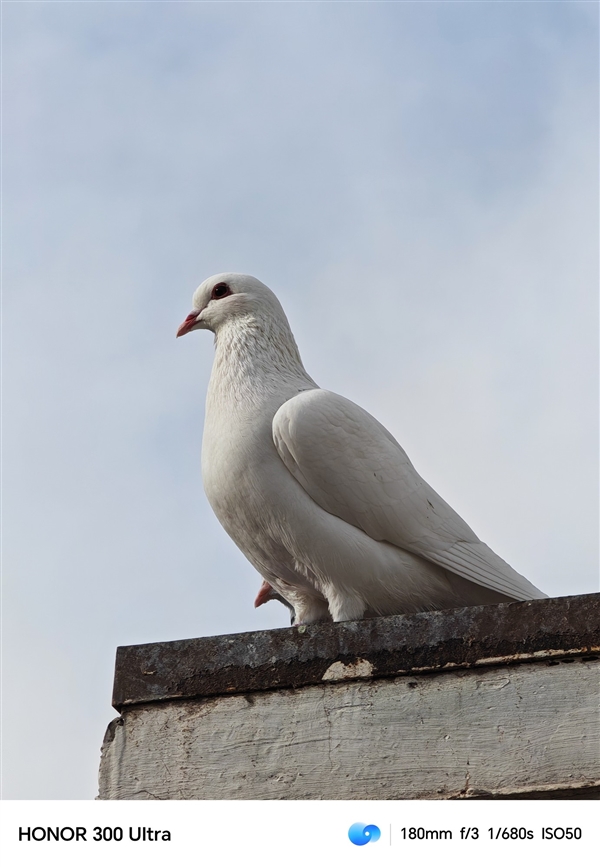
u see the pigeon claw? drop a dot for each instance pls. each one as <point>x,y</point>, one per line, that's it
<point>265,594</point>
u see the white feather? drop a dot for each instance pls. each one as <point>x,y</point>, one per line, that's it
<point>315,492</point>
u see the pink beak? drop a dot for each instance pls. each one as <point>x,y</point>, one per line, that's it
<point>188,323</point>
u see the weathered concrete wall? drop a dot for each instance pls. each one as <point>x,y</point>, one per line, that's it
<point>494,725</point>
<point>496,730</point>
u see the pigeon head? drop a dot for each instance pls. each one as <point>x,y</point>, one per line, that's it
<point>226,297</point>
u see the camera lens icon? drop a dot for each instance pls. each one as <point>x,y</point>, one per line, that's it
<point>359,833</point>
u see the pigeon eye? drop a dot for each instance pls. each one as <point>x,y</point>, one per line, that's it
<point>220,290</point>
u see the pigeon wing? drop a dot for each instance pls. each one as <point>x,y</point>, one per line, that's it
<point>352,467</point>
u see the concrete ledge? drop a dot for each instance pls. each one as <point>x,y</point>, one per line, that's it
<point>381,647</point>
<point>489,702</point>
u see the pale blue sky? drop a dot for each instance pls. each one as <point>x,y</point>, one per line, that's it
<point>416,181</point>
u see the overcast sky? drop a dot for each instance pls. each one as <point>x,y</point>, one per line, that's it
<point>418,184</point>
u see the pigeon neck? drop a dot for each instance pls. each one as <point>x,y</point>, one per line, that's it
<point>254,356</point>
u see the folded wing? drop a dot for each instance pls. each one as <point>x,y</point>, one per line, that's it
<point>352,467</point>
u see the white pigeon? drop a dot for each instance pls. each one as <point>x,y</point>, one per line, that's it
<point>314,491</point>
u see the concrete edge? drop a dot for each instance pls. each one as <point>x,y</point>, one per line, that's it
<point>543,630</point>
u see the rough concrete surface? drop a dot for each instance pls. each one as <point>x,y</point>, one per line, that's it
<point>484,732</point>
<point>382,646</point>
<point>492,702</point>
